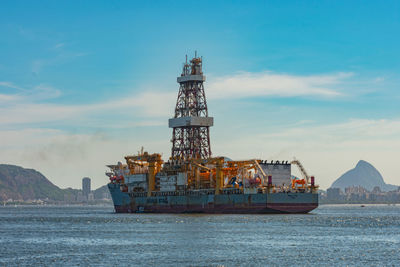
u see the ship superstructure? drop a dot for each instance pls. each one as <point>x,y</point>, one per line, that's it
<point>191,180</point>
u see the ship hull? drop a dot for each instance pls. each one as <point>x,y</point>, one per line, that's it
<point>215,204</point>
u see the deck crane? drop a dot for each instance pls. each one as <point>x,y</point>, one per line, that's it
<point>260,170</point>
<point>302,170</point>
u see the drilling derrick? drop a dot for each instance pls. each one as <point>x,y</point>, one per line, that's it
<point>191,124</point>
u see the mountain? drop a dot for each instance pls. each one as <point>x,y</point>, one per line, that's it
<point>365,175</point>
<point>24,184</point>
<point>18,183</point>
<point>101,191</point>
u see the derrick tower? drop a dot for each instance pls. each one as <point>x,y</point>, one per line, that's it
<point>191,124</point>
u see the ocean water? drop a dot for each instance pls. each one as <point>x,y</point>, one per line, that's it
<point>95,236</point>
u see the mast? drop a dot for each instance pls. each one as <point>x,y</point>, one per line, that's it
<point>191,123</point>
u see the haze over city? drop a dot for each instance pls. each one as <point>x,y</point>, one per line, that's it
<point>82,86</point>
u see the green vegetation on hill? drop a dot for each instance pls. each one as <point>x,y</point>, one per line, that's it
<point>23,184</point>
<point>18,183</point>
<point>98,193</point>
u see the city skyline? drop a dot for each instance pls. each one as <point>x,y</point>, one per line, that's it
<point>81,86</point>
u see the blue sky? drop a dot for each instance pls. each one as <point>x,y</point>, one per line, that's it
<point>83,84</point>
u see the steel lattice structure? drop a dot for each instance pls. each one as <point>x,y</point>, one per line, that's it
<point>191,124</point>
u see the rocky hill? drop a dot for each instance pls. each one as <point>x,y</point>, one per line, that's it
<point>99,192</point>
<point>18,183</point>
<point>24,184</point>
<point>365,175</point>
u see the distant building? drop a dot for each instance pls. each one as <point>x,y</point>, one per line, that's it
<point>91,197</point>
<point>355,190</point>
<point>358,194</point>
<point>86,187</point>
<point>376,190</point>
<point>80,197</point>
<point>106,195</point>
<point>333,193</point>
<point>69,198</point>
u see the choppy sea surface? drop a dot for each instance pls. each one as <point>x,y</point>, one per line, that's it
<point>96,236</point>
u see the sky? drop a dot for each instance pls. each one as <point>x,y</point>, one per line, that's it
<point>84,83</point>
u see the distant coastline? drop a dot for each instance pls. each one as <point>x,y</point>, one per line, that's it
<point>361,185</point>
<point>345,202</point>
<point>21,186</point>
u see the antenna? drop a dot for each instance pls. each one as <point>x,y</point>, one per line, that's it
<point>195,53</point>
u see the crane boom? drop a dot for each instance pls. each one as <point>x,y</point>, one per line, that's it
<point>302,169</point>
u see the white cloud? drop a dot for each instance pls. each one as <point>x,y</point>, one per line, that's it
<point>148,103</point>
<point>145,105</point>
<point>26,106</point>
<point>10,85</point>
<point>42,92</point>
<point>327,150</point>
<point>31,136</point>
<point>247,84</point>
<point>37,66</point>
<point>63,56</point>
<point>8,98</point>
<point>59,45</point>
<point>39,92</point>
<point>65,158</point>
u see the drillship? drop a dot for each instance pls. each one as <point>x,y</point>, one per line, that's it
<point>192,181</point>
